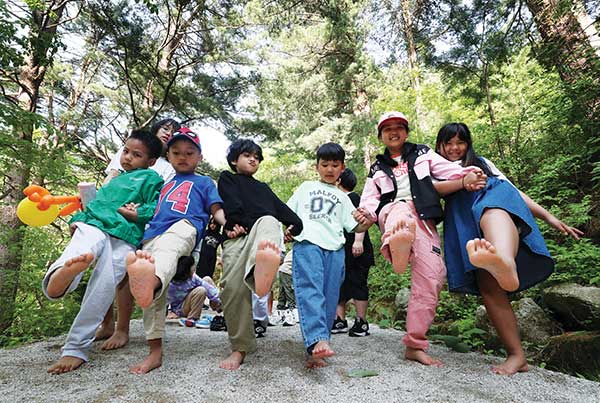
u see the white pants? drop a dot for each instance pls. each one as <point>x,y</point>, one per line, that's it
<point>109,253</point>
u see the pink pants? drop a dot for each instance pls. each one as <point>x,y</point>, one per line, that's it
<point>428,272</point>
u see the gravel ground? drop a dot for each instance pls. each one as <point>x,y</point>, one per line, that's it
<point>276,373</point>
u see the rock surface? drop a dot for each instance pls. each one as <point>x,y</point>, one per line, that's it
<point>577,307</point>
<point>276,373</point>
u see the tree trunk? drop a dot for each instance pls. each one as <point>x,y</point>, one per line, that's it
<point>41,40</point>
<point>571,44</point>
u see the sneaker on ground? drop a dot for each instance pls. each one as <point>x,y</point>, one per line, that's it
<point>295,313</point>
<point>288,318</point>
<point>339,325</point>
<point>360,328</point>
<point>259,329</point>
<point>276,318</point>
<point>218,324</point>
<point>203,323</point>
<point>186,322</point>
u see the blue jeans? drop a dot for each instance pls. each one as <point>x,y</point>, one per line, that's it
<point>317,275</point>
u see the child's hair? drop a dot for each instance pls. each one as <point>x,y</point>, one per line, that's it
<point>165,122</point>
<point>152,143</point>
<point>184,268</point>
<point>348,179</point>
<point>331,152</point>
<point>241,146</point>
<point>448,131</point>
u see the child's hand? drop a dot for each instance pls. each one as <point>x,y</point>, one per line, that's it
<point>128,213</point>
<point>362,216</point>
<point>215,306</point>
<point>132,206</point>
<point>235,232</point>
<point>287,235</point>
<point>357,248</point>
<point>564,228</point>
<point>475,180</point>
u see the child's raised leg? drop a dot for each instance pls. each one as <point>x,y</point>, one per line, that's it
<point>399,235</point>
<point>268,257</point>
<point>143,282</point>
<point>496,253</point>
<point>62,277</point>
<point>503,318</point>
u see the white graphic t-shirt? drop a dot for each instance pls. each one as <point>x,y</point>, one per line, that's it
<point>325,212</point>
<point>402,181</point>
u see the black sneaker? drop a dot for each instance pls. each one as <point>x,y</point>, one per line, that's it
<point>360,328</point>
<point>259,329</point>
<point>339,325</point>
<point>218,324</point>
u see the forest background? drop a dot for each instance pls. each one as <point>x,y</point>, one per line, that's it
<point>76,76</point>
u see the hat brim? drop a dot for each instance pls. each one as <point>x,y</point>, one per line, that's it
<point>388,120</point>
<point>177,138</point>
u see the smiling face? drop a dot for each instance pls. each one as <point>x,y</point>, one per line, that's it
<point>184,156</point>
<point>135,155</point>
<point>393,136</point>
<point>455,149</point>
<point>247,163</point>
<point>330,171</point>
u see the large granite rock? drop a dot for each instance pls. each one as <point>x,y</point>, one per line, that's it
<point>575,306</point>
<point>577,353</point>
<point>535,326</point>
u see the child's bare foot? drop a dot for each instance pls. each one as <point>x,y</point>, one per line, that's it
<point>142,279</point>
<point>172,315</point>
<point>153,361</point>
<point>512,365</point>
<point>117,340</point>
<point>233,362</point>
<point>62,277</point>
<point>65,364</point>
<point>484,255</point>
<point>418,355</point>
<point>268,256</point>
<point>104,332</point>
<point>322,350</point>
<point>401,240</point>
<point>313,362</point>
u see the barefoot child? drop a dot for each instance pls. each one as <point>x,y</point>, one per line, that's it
<point>358,252</point>
<point>318,263</point>
<point>183,209</point>
<point>106,231</point>
<point>400,196</point>
<point>119,337</point>
<point>493,229</point>
<point>250,260</point>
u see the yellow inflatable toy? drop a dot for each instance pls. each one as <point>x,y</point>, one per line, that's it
<point>41,208</point>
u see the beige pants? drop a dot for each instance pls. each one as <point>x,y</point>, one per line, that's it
<point>193,302</point>
<point>167,248</point>
<point>239,258</point>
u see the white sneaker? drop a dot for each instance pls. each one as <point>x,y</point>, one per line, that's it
<point>288,318</point>
<point>276,318</point>
<point>295,314</point>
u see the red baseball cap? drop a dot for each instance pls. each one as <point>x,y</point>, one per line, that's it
<point>390,116</point>
<point>185,133</point>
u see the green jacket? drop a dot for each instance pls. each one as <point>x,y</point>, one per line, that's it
<point>140,186</point>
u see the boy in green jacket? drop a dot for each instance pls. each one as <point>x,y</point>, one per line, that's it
<point>110,227</point>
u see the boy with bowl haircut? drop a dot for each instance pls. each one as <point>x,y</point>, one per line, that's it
<point>318,264</point>
<point>251,259</point>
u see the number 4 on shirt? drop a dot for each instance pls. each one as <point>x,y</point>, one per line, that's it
<point>180,196</point>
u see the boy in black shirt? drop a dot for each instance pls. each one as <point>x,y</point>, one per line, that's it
<point>359,258</point>
<point>251,258</point>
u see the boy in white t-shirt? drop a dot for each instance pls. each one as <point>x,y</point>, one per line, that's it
<point>318,264</point>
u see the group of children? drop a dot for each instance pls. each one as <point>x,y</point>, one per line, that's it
<point>492,243</point>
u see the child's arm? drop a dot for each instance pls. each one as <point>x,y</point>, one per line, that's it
<point>233,203</point>
<point>357,246</point>
<point>219,214</point>
<point>543,214</point>
<point>145,209</point>
<point>472,181</point>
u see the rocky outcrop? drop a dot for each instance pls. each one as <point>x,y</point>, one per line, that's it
<point>575,306</point>
<point>573,353</point>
